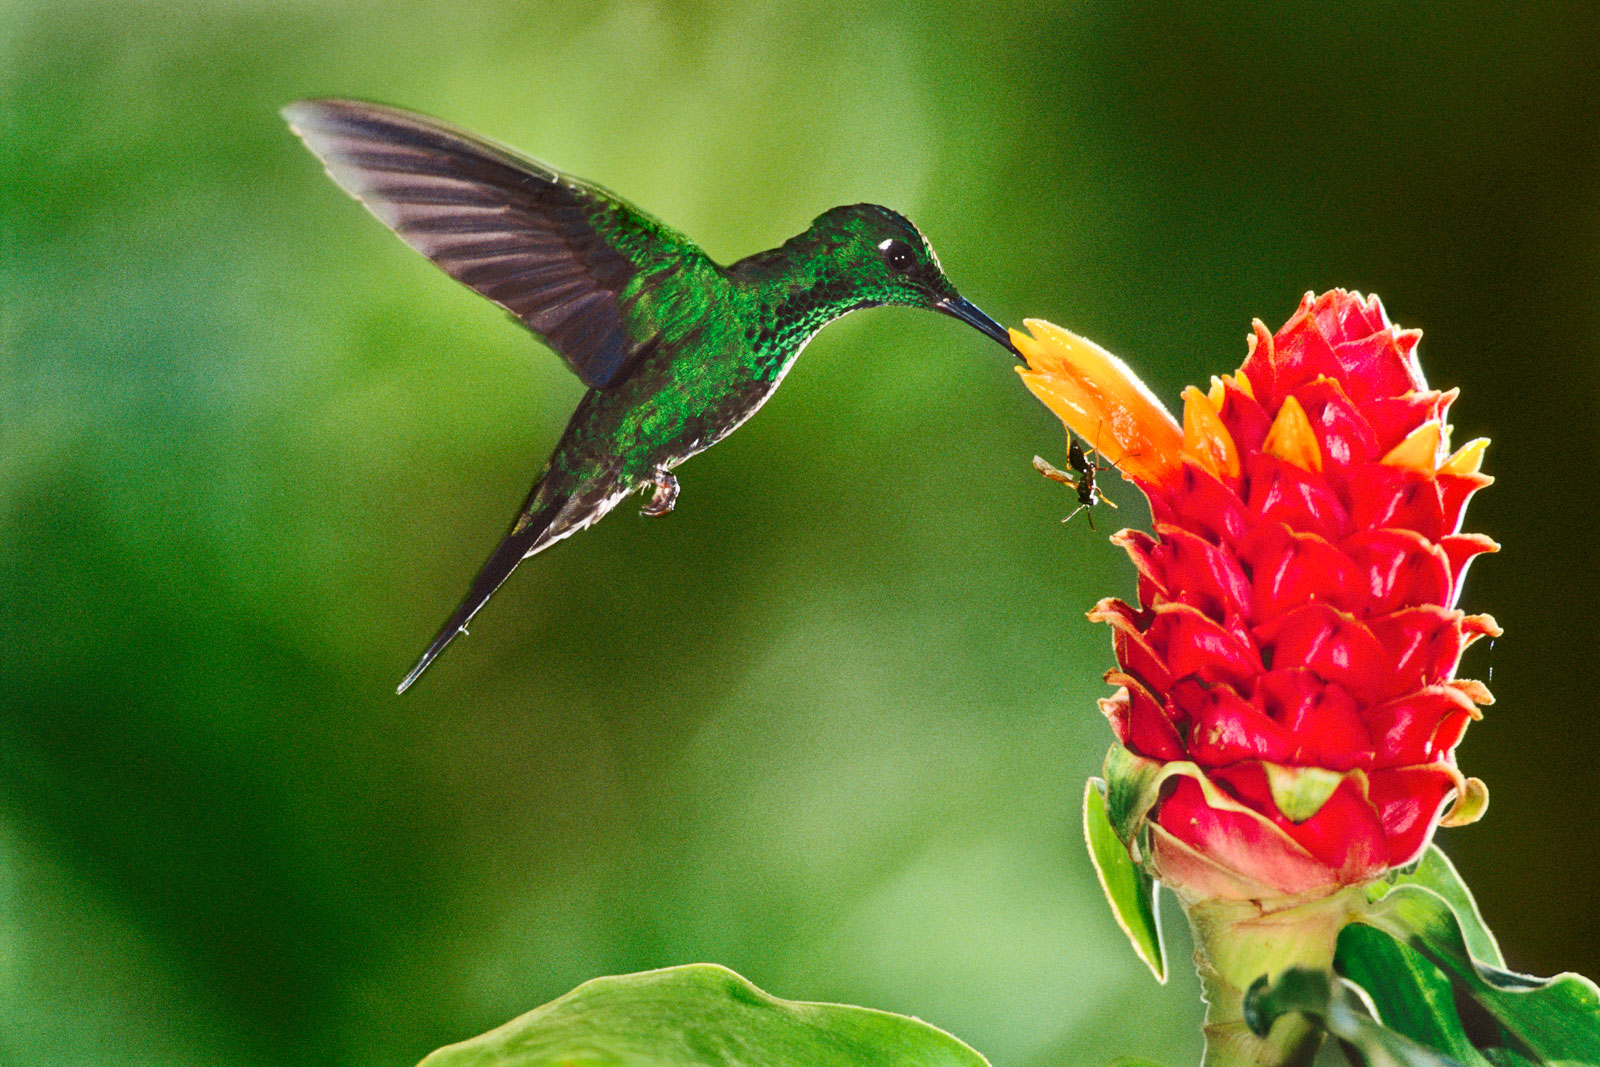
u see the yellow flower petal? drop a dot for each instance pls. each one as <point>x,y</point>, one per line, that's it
<point>1217,393</point>
<point>1100,399</point>
<point>1420,449</point>
<point>1468,459</point>
<point>1291,438</point>
<point>1206,441</point>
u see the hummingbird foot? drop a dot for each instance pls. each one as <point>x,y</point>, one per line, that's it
<point>665,495</point>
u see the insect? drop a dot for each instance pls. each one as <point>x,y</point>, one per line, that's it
<point>1086,470</point>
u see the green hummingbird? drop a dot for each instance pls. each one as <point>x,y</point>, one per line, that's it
<point>677,351</point>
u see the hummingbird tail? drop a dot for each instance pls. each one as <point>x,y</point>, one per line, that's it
<point>516,547</point>
<point>532,532</point>
<point>554,510</point>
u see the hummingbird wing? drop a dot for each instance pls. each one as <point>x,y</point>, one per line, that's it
<point>563,256</point>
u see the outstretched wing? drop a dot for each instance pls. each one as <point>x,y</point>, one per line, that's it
<point>561,255</point>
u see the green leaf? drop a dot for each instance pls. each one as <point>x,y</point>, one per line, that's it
<point>1504,1057</point>
<point>1132,787</point>
<point>1129,890</point>
<point>1435,871</point>
<point>1338,1006</point>
<point>706,1016</point>
<point>1553,1020</point>
<point>1411,995</point>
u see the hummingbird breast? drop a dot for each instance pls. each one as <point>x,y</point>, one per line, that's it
<point>707,375</point>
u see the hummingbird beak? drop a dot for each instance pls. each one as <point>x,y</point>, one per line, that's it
<point>960,307</point>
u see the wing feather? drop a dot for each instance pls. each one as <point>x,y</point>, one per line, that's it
<point>546,247</point>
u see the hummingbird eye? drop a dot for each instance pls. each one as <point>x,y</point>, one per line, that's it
<point>897,255</point>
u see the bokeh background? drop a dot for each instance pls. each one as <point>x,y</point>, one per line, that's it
<point>828,723</point>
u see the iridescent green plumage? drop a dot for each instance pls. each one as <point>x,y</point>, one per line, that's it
<point>678,351</point>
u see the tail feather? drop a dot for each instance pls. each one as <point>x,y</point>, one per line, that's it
<point>559,505</point>
<point>526,537</point>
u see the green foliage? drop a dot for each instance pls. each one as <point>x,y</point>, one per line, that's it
<point>1131,783</point>
<point>1339,1007</point>
<point>1130,891</point>
<point>1549,1020</point>
<point>1410,994</point>
<point>1420,981</point>
<point>1435,871</point>
<point>702,1016</point>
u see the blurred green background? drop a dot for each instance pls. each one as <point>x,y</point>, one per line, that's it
<point>828,723</point>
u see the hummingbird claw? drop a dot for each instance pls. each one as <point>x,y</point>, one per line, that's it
<point>665,495</point>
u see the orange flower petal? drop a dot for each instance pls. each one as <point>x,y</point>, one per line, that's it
<point>1101,400</point>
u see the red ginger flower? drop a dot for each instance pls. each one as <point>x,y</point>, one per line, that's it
<point>1289,673</point>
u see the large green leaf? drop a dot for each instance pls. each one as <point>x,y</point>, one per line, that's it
<point>1411,995</point>
<point>1554,1020</point>
<point>1338,1006</point>
<point>705,1016</point>
<point>1130,891</point>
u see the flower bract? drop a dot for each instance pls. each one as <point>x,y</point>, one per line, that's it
<point>1289,667</point>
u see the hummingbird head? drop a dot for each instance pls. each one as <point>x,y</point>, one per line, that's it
<point>884,259</point>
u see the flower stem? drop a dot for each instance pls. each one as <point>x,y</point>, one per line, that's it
<point>1237,941</point>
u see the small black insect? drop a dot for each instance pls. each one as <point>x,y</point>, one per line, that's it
<point>1089,493</point>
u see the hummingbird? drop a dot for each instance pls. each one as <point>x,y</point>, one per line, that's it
<point>677,350</point>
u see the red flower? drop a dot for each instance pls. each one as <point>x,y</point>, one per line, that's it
<point>1291,663</point>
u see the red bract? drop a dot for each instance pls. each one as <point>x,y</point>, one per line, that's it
<point>1291,660</point>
